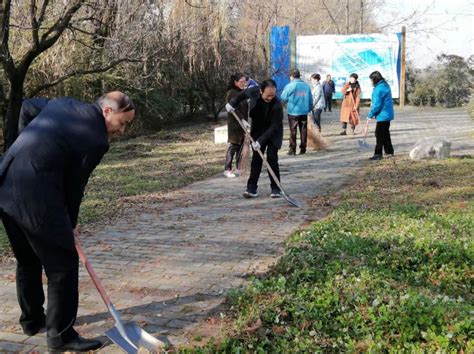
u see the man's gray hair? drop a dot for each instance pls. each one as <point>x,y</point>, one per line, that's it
<point>118,101</point>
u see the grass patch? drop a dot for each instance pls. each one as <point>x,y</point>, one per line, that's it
<point>136,170</point>
<point>390,270</point>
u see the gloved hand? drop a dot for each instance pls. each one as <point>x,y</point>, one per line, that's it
<point>349,89</point>
<point>256,145</point>
<point>246,124</point>
<point>229,108</point>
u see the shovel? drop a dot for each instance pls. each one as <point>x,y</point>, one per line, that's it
<point>127,336</point>
<point>362,143</point>
<point>290,200</point>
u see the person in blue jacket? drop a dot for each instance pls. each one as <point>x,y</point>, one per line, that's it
<point>42,180</point>
<point>300,102</point>
<point>381,110</point>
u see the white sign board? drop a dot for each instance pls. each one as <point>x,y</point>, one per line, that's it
<point>341,55</point>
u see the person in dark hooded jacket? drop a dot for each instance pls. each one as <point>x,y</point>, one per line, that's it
<point>42,180</point>
<point>266,113</point>
<point>235,133</point>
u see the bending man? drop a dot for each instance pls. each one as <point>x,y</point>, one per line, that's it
<point>42,181</point>
<point>266,113</point>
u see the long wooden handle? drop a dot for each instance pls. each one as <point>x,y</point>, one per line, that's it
<point>366,128</point>
<point>92,274</point>
<point>270,170</point>
<point>353,102</point>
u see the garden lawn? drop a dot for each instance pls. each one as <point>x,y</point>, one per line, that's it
<point>390,270</point>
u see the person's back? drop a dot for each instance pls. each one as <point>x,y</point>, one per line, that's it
<point>58,140</point>
<point>299,97</point>
<point>382,102</point>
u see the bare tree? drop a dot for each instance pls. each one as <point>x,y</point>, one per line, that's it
<point>43,37</point>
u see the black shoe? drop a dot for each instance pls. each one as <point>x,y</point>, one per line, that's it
<point>302,151</point>
<point>324,110</point>
<point>276,193</point>
<point>330,110</point>
<point>343,133</point>
<point>291,152</point>
<point>376,158</point>
<point>250,195</point>
<point>34,329</point>
<point>78,344</point>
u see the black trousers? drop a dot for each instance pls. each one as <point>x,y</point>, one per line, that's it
<point>232,150</point>
<point>383,140</point>
<point>296,122</point>
<point>62,270</point>
<point>328,99</point>
<point>317,117</point>
<point>256,167</point>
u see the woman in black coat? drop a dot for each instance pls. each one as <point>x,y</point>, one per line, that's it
<point>235,133</point>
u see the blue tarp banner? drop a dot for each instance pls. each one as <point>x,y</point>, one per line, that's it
<point>280,56</point>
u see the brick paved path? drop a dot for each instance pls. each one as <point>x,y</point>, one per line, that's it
<point>168,264</point>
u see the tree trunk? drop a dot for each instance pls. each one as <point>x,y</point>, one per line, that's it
<point>12,114</point>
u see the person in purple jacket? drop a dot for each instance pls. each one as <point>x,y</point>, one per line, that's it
<point>329,88</point>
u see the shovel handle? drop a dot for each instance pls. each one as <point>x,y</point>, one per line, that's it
<point>270,170</point>
<point>90,270</point>
<point>366,128</point>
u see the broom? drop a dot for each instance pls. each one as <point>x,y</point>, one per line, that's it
<point>315,139</point>
<point>244,157</point>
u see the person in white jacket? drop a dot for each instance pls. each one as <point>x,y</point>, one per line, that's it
<point>318,99</point>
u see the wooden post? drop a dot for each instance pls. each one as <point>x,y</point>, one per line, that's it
<point>403,68</point>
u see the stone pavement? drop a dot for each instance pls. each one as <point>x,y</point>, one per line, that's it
<point>168,264</point>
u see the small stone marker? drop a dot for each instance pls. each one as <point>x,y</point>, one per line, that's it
<point>431,148</point>
<point>220,135</point>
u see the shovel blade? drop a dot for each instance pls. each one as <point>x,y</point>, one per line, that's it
<point>137,336</point>
<point>292,201</point>
<point>363,144</point>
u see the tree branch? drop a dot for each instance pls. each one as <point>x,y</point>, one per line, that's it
<point>34,24</point>
<point>7,60</point>
<point>46,42</point>
<point>43,11</point>
<point>111,65</point>
<point>331,17</point>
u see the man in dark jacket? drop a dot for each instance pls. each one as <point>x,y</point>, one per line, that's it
<point>42,181</point>
<point>329,88</point>
<point>266,114</point>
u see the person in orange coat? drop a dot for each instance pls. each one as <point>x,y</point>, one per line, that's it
<point>350,104</point>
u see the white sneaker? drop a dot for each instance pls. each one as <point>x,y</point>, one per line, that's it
<point>229,174</point>
<point>237,173</point>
